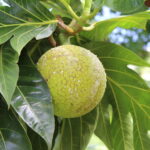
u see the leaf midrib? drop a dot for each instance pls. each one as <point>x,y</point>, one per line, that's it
<point>120,118</point>
<point>124,60</point>
<point>28,11</point>
<point>125,92</point>
<point>3,140</point>
<point>3,77</point>
<point>136,123</point>
<point>103,120</point>
<point>71,134</point>
<point>30,23</point>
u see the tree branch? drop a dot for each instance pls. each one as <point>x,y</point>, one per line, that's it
<point>52,41</point>
<point>64,26</point>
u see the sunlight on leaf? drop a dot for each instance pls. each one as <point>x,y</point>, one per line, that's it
<point>127,93</point>
<point>32,101</point>
<point>126,6</point>
<point>24,20</point>
<point>96,144</point>
<point>104,28</point>
<point>76,132</point>
<point>9,72</point>
<point>12,135</point>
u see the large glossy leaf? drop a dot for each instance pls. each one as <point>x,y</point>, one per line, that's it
<point>32,101</point>
<point>37,142</point>
<point>126,6</point>
<point>12,135</point>
<point>129,97</point>
<point>76,133</point>
<point>103,28</point>
<point>58,8</point>
<point>24,20</point>
<point>8,72</point>
<point>113,130</point>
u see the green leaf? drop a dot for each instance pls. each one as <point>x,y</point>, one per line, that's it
<point>76,133</point>
<point>83,3</point>
<point>104,28</point>
<point>37,142</point>
<point>46,32</point>
<point>68,1</point>
<point>98,3</point>
<point>148,26</point>
<point>118,133</point>
<point>59,9</point>
<point>56,8</point>
<point>105,118</point>
<point>126,6</point>
<point>12,135</point>
<point>129,97</point>
<point>24,20</point>
<point>77,6</point>
<point>9,72</point>
<point>32,101</point>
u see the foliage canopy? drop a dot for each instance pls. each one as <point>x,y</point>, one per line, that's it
<point>28,28</point>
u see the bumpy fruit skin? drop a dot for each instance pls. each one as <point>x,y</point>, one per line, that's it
<point>76,79</point>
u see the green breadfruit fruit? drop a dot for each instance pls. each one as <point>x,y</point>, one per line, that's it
<point>76,79</point>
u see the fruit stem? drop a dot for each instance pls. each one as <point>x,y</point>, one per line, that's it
<point>64,38</point>
<point>78,39</point>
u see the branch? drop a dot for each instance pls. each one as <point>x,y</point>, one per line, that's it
<point>52,41</point>
<point>64,26</point>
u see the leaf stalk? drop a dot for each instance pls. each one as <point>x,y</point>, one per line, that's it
<point>87,8</point>
<point>70,10</point>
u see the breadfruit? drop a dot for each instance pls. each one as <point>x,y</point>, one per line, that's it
<point>76,79</point>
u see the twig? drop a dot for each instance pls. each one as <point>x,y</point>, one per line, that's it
<point>52,41</point>
<point>64,26</point>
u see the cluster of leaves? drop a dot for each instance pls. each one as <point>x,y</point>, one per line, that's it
<point>27,122</point>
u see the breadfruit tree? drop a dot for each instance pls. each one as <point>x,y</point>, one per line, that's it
<point>62,80</point>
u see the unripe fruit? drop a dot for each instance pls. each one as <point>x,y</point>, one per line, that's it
<point>76,79</point>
